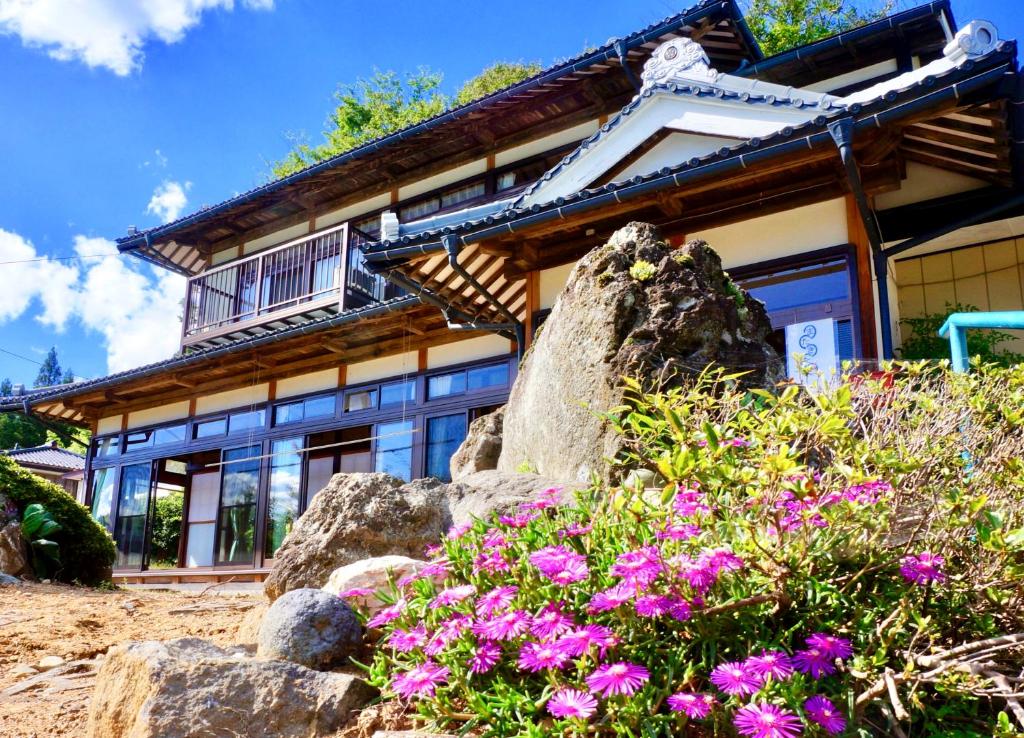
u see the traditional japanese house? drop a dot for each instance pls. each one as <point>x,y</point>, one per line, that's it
<point>359,314</point>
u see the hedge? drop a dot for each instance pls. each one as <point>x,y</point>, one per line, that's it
<point>86,548</point>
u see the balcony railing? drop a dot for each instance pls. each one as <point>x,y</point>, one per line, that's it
<point>324,271</point>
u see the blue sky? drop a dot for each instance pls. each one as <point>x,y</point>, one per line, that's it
<point>111,115</point>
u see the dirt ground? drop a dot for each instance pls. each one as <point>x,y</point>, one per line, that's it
<point>78,625</point>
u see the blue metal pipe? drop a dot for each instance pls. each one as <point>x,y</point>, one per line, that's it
<point>956,326</point>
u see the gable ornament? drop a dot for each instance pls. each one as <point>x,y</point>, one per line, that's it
<point>680,59</point>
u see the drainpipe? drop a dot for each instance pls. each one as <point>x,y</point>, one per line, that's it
<point>620,49</point>
<point>842,134</point>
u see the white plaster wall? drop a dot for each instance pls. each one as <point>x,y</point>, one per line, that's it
<point>387,366</point>
<point>161,414</point>
<point>110,424</point>
<point>674,150</point>
<point>551,283</point>
<point>864,74</point>
<point>276,238</point>
<point>470,350</point>
<point>224,255</point>
<point>925,183</point>
<point>546,143</point>
<point>232,399</point>
<point>312,382</point>
<point>440,180</point>
<point>353,211</point>
<point>777,235</point>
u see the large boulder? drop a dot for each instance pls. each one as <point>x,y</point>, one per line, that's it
<point>485,493</point>
<point>309,627</point>
<point>370,574</point>
<point>358,516</point>
<point>482,447</point>
<point>188,688</point>
<point>634,307</point>
<point>14,551</point>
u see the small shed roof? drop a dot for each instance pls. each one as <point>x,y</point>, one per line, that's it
<point>49,456</point>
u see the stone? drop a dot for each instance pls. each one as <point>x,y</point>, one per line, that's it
<point>249,629</point>
<point>49,662</point>
<point>358,516</point>
<point>23,670</point>
<point>370,574</point>
<point>9,581</point>
<point>485,493</point>
<point>309,627</point>
<point>14,551</point>
<point>188,688</point>
<point>482,447</point>
<point>634,307</point>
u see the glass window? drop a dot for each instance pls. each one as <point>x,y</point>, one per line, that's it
<point>285,485</point>
<point>170,434</point>
<point>443,385</point>
<point>487,376</point>
<point>132,506</point>
<point>321,406</point>
<point>506,180</point>
<point>419,209</point>
<point>462,194</point>
<point>290,412</point>
<point>394,449</point>
<point>202,517</point>
<point>237,515</point>
<point>137,440</point>
<point>103,497</point>
<point>246,421</point>
<point>397,393</point>
<point>108,446</point>
<point>361,400</point>
<point>802,286</point>
<point>210,428</point>
<point>444,435</point>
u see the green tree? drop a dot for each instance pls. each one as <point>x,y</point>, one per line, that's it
<point>50,372</point>
<point>20,430</point>
<point>387,102</point>
<point>6,388</point>
<point>167,530</point>
<point>69,376</point>
<point>779,25</point>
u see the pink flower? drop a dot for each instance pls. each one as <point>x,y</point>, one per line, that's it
<point>700,575</point>
<point>539,656</point>
<point>572,703</point>
<point>518,521</point>
<point>433,550</point>
<point>453,595</point>
<point>496,600</point>
<point>548,498</point>
<point>457,531</point>
<point>485,657</point>
<point>503,627</point>
<point>580,640</point>
<point>814,661</point>
<point>494,539</point>
<point>677,532</point>
<point>652,606</point>
<point>356,593</point>
<point>386,615</point>
<point>638,568</point>
<point>404,641</point>
<point>619,678</point>
<point>574,530</point>
<point>420,681</point>
<point>437,570</point>
<point>765,720</point>
<point>696,705</point>
<point>734,678</point>
<point>821,711</point>
<point>447,632</point>
<point>832,646</point>
<point>611,598</point>
<point>774,664</point>
<point>680,610</point>
<point>550,621</point>
<point>923,568</point>
<point>491,562</point>
<point>560,564</point>
<point>689,502</point>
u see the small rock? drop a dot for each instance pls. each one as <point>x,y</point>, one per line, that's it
<point>50,662</point>
<point>6,580</point>
<point>370,574</point>
<point>128,605</point>
<point>309,627</point>
<point>23,670</point>
<point>46,581</point>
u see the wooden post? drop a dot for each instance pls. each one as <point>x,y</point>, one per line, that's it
<point>858,238</point>
<point>342,374</point>
<point>421,360</point>
<point>532,304</point>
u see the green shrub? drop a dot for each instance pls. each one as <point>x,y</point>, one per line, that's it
<point>87,550</point>
<point>811,563</point>
<point>38,528</point>
<point>642,270</point>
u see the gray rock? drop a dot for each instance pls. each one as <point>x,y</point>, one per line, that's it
<point>13,551</point>
<point>482,447</point>
<point>662,323</point>
<point>358,516</point>
<point>8,580</point>
<point>188,688</point>
<point>309,627</point>
<point>485,493</point>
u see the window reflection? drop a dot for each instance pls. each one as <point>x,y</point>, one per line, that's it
<point>237,515</point>
<point>444,434</point>
<point>394,449</point>
<point>132,506</point>
<point>283,499</point>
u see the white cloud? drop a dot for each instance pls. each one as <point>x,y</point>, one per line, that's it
<point>168,200</point>
<point>106,33</point>
<point>134,308</point>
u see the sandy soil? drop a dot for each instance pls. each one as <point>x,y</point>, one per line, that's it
<point>79,625</point>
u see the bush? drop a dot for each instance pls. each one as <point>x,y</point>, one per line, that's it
<point>86,549</point>
<point>924,342</point>
<point>809,564</point>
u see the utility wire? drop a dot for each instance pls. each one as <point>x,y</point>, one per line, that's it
<point>60,258</point>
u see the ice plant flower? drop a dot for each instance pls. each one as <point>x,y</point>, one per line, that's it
<point>420,681</point>
<point>485,656</point>
<point>765,720</point>
<point>735,678</point>
<point>356,593</point>
<point>821,711</point>
<point>496,600</point>
<point>494,539</point>
<point>580,640</point>
<point>832,646</point>
<point>653,606</point>
<point>457,531</point>
<point>774,664</point>
<point>619,678</point>
<point>680,609</point>
<point>677,532</point>
<point>404,641</point>
<point>572,703</point>
<point>695,705</point>
<point>574,530</point>
<point>551,621</point>
<point>503,627</point>
<point>923,568</point>
<point>518,521</point>
<point>638,568</point>
<point>814,661</point>
<point>447,632</point>
<point>386,615</point>
<point>453,595</point>
<point>539,656</point>
<point>611,598</point>
<point>491,562</point>
<point>690,502</point>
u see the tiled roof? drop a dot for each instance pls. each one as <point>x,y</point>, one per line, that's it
<point>49,456</point>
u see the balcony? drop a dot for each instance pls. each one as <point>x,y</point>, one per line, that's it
<point>311,277</point>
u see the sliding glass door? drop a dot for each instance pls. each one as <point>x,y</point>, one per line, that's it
<point>132,511</point>
<point>236,521</point>
<point>284,492</point>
